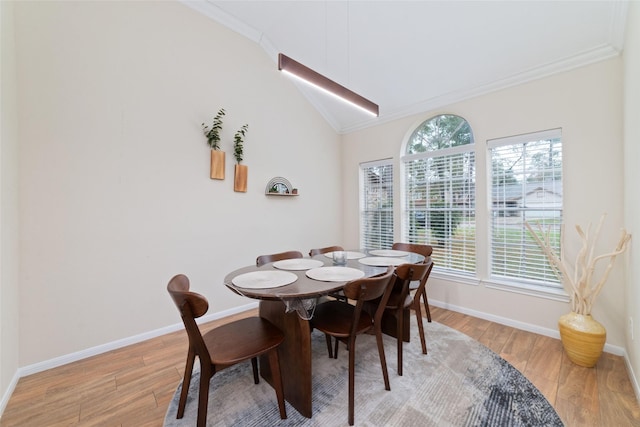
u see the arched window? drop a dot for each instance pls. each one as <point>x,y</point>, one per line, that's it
<point>440,192</point>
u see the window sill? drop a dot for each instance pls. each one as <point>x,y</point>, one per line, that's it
<point>528,289</point>
<point>519,288</point>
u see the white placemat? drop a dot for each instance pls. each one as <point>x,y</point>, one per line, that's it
<point>264,279</point>
<point>382,261</point>
<point>297,264</point>
<point>388,252</point>
<point>335,274</point>
<point>350,255</point>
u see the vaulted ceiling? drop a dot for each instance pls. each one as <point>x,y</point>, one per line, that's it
<point>414,56</point>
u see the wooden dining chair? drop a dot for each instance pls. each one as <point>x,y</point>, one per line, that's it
<point>318,251</point>
<point>345,322</point>
<point>401,300</point>
<point>224,346</point>
<point>425,251</point>
<point>265,259</point>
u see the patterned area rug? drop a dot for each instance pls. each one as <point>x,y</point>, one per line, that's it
<point>459,383</point>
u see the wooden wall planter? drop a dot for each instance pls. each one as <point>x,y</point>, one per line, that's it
<point>240,178</point>
<point>217,164</point>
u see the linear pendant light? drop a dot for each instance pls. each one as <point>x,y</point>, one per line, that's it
<point>319,81</point>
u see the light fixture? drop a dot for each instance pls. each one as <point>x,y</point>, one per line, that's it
<point>296,69</point>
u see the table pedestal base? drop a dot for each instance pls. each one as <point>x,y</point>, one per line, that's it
<point>294,354</point>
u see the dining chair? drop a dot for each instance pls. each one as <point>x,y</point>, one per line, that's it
<point>401,300</point>
<point>425,251</point>
<point>223,346</point>
<point>345,322</point>
<point>318,251</point>
<point>265,259</point>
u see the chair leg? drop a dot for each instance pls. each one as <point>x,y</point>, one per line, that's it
<point>328,339</point>
<point>274,363</point>
<point>399,331</point>
<point>185,383</point>
<point>335,353</point>
<point>426,306</point>
<point>352,368</point>
<point>383,359</point>
<point>254,365</point>
<point>203,395</point>
<point>423,340</point>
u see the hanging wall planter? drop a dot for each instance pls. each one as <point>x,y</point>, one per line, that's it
<point>217,164</point>
<point>240,178</point>
<point>213,140</point>
<point>241,171</point>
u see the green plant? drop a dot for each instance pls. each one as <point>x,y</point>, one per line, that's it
<point>213,134</point>
<point>238,149</point>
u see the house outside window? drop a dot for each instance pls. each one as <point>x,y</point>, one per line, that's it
<point>376,204</point>
<point>526,186</point>
<point>439,192</point>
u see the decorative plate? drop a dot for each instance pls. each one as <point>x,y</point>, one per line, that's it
<point>382,261</point>
<point>297,264</point>
<point>335,274</point>
<point>264,279</point>
<point>388,252</point>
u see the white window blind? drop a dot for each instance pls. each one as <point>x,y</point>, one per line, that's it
<point>439,192</point>
<point>526,185</point>
<point>376,205</point>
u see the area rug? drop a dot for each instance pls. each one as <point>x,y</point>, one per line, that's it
<point>459,383</point>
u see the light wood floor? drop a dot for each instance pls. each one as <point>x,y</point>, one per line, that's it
<point>133,386</point>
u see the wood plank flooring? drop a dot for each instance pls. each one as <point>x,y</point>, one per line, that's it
<point>133,386</point>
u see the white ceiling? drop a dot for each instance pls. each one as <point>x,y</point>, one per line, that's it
<point>413,56</point>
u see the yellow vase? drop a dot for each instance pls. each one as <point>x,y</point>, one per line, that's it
<point>583,338</point>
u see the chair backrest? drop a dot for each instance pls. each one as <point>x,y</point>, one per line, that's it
<point>265,259</point>
<point>406,273</point>
<point>367,289</point>
<point>318,251</point>
<point>424,250</point>
<point>191,305</point>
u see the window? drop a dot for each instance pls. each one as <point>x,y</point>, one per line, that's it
<point>376,204</point>
<point>439,192</point>
<point>526,185</point>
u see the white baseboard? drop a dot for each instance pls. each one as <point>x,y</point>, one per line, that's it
<point>613,349</point>
<point>8,393</point>
<point>93,351</point>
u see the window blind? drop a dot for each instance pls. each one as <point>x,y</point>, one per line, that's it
<point>376,205</point>
<point>440,207</point>
<point>526,186</point>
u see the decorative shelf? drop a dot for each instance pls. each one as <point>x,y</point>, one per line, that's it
<point>280,186</point>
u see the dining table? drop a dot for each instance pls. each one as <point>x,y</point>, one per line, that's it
<point>289,290</point>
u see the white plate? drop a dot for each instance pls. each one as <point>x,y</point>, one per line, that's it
<point>264,279</point>
<point>382,261</point>
<point>297,264</point>
<point>335,274</point>
<point>350,255</point>
<point>388,252</point>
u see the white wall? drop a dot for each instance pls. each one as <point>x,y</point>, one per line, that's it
<point>115,194</point>
<point>586,103</point>
<point>8,205</point>
<point>631,57</point>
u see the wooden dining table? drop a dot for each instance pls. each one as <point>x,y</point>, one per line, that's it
<point>290,306</point>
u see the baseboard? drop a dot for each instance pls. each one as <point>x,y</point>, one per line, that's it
<point>7,394</point>
<point>613,349</point>
<point>632,377</point>
<point>93,351</point>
